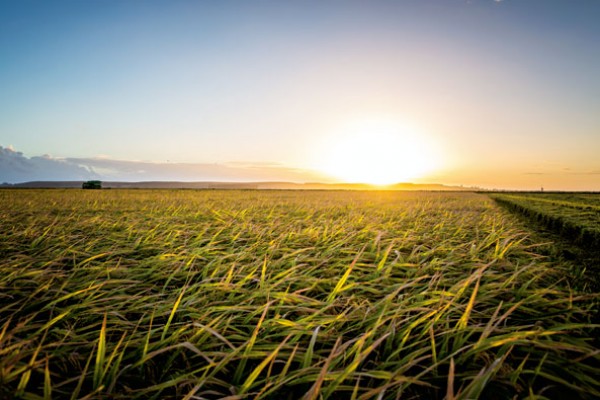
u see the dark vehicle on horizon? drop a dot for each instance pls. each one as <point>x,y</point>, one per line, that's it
<point>92,185</point>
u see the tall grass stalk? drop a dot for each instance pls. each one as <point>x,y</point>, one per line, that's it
<point>280,294</point>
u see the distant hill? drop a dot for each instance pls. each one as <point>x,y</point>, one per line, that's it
<point>234,185</point>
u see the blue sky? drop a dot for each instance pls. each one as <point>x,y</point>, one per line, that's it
<point>503,93</point>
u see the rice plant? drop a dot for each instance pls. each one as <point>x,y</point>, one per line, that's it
<point>284,295</point>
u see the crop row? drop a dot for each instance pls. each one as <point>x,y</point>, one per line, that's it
<point>575,201</point>
<point>577,222</point>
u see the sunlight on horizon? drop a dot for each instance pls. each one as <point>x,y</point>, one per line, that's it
<point>377,152</point>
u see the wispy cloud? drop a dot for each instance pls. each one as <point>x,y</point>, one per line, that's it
<point>565,171</point>
<point>16,167</point>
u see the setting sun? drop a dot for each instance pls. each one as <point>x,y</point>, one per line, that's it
<point>379,154</point>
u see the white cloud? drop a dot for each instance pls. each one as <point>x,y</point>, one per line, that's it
<point>16,167</point>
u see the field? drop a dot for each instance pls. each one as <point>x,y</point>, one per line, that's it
<point>285,294</point>
<point>575,216</point>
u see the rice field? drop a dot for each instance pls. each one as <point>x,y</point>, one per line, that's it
<point>576,216</point>
<point>284,295</point>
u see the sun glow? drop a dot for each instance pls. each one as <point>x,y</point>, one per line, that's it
<point>379,154</point>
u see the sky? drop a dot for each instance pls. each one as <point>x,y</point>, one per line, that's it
<point>494,94</point>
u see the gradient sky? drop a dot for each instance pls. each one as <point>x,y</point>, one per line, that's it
<point>506,94</point>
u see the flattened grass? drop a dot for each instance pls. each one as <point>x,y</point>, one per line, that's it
<point>250,294</point>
